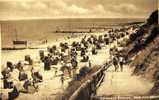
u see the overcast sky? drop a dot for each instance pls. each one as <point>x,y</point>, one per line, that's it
<point>27,9</point>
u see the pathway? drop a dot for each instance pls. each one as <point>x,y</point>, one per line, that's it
<point>123,83</point>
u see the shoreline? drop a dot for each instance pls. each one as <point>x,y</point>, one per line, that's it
<point>78,32</point>
<point>54,42</point>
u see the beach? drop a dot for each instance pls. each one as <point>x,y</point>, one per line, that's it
<point>51,86</point>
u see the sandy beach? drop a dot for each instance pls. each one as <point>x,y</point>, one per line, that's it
<point>50,87</point>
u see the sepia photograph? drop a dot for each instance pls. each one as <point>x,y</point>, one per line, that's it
<point>79,50</point>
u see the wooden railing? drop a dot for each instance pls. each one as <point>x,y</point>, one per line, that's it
<point>88,88</point>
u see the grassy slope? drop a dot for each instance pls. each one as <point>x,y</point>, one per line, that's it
<point>146,60</point>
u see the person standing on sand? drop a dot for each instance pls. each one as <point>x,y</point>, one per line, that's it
<point>121,61</point>
<point>55,72</point>
<point>115,63</point>
<point>89,63</point>
<point>62,80</point>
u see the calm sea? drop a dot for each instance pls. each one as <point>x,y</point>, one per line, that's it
<point>37,30</point>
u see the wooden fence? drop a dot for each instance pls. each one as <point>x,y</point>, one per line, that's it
<point>88,88</point>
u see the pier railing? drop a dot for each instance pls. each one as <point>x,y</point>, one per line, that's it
<point>88,88</point>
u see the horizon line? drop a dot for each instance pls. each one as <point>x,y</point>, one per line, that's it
<point>49,18</point>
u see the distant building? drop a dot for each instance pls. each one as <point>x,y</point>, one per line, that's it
<point>20,44</point>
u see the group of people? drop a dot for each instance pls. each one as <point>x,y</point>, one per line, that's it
<point>68,56</point>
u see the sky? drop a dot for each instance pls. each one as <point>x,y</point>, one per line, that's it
<point>29,9</point>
